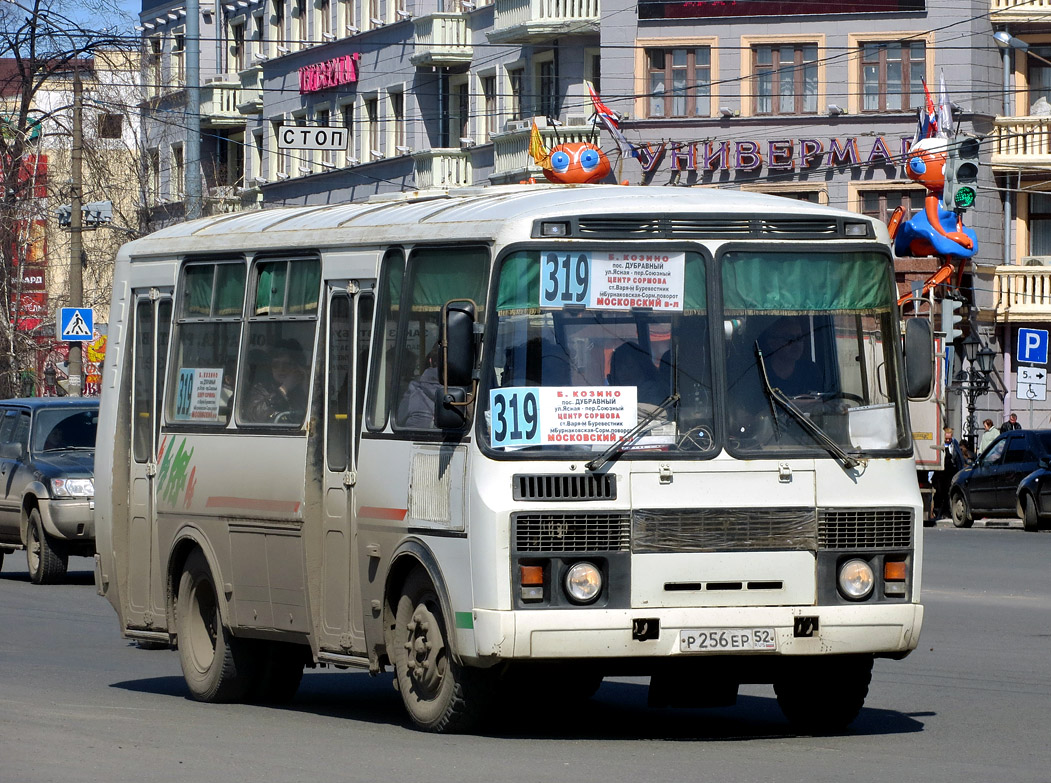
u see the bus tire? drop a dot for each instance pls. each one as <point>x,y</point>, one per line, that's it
<point>217,667</point>
<point>439,694</point>
<point>46,565</point>
<point>823,694</point>
<point>279,674</point>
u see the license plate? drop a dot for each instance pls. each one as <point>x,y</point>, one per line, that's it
<point>727,640</point>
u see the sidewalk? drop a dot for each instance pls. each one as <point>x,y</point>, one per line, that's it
<point>1003,524</point>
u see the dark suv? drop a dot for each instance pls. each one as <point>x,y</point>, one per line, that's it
<point>47,490</point>
<point>989,487</point>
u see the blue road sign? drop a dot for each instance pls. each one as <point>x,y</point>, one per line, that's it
<point>76,324</point>
<point>1032,346</point>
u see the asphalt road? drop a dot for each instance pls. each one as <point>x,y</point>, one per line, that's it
<point>78,703</point>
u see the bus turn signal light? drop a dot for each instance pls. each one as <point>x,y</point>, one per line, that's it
<point>532,581</point>
<point>894,571</point>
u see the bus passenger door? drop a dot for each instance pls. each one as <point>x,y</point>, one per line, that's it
<point>349,330</point>
<point>152,326</point>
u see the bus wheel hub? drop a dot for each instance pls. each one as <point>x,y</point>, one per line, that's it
<point>426,652</point>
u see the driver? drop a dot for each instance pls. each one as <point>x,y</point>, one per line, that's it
<point>281,397</point>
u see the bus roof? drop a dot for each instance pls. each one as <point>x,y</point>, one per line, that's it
<point>437,215</point>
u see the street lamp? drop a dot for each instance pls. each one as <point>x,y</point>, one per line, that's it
<point>976,380</point>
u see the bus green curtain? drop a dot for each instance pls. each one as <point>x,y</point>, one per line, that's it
<point>806,283</point>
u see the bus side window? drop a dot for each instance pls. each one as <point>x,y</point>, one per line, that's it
<point>274,384</point>
<point>207,336</point>
<point>435,276</point>
<point>384,347</point>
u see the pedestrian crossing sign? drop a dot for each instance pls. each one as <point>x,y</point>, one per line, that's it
<point>76,324</point>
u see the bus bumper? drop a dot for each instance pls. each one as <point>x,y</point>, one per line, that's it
<point>879,629</point>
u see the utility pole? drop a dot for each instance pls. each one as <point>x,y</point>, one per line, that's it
<point>192,147</point>
<point>76,223</point>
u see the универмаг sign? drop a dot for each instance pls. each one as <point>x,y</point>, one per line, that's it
<point>696,9</point>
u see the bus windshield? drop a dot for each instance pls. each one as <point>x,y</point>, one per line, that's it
<point>591,345</point>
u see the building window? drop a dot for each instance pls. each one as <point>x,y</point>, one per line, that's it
<point>324,16</point>
<point>489,105</point>
<point>680,82</point>
<point>154,59</point>
<point>881,204</point>
<point>514,109</point>
<point>178,65</point>
<point>892,75</point>
<point>259,34</point>
<point>153,174</point>
<point>321,119</point>
<point>547,89</point>
<point>459,113</point>
<point>397,122</point>
<point>277,155</point>
<point>237,45</point>
<point>1039,77</point>
<point>785,80</point>
<point>1040,224</point>
<point>299,11</point>
<point>177,175</point>
<point>111,126</point>
<point>345,19</point>
<point>256,152</point>
<point>277,22</point>
<point>347,113</point>
<point>372,130</point>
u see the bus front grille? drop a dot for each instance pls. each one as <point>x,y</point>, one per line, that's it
<point>606,532</point>
<point>723,529</point>
<point>864,528</point>
<point>529,486</point>
<point>724,227</point>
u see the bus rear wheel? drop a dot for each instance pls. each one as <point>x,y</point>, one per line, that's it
<point>217,667</point>
<point>823,694</point>
<point>439,694</point>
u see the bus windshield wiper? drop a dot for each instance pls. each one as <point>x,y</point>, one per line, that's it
<point>776,395</point>
<point>631,435</point>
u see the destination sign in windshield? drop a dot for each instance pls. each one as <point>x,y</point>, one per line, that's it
<point>612,280</point>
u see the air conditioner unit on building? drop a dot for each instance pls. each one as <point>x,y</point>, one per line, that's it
<point>1036,261</point>
<point>576,120</point>
<point>517,125</point>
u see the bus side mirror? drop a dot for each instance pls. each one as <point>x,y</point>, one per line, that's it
<point>919,358</point>
<point>458,357</point>
<point>458,343</point>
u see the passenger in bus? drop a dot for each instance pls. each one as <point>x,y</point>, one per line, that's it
<point>629,365</point>
<point>277,390</point>
<point>416,410</point>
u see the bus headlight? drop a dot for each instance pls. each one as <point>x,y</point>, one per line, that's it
<point>583,582</point>
<point>73,488</point>
<point>856,579</point>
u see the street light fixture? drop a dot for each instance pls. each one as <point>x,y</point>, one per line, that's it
<point>980,359</point>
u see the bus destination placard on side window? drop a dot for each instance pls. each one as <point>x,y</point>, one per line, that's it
<point>533,416</point>
<point>612,280</point>
<point>198,394</point>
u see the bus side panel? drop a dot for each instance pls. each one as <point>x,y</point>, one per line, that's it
<point>244,496</point>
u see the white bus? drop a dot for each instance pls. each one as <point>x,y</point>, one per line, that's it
<point>519,437</point>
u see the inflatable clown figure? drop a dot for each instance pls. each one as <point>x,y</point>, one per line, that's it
<point>936,231</point>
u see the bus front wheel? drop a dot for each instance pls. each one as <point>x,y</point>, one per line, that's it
<point>439,694</point>
<point>215,665</point>
<point>823,694</point>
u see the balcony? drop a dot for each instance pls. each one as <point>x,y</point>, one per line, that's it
<point>251,100</point>
<point>219,99</point>
<point>442,168</point>
<point>534,21</point>
<point>441,40</point>
<point>1021,142</point>
<point>1023,293</point>
<point>1018,11</point>
<point>513,163</point>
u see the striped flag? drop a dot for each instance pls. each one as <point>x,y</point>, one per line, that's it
<point>610,121</point>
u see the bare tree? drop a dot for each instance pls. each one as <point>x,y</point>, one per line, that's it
<point>39,40</point>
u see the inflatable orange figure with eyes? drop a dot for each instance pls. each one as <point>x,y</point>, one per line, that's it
<point>577,163</point>
<point>936,231</point>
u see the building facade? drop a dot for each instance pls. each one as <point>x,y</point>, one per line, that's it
<point>782,98</point>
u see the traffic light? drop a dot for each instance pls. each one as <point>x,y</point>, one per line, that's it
<point>961,174</point>
<point>951,319</point>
